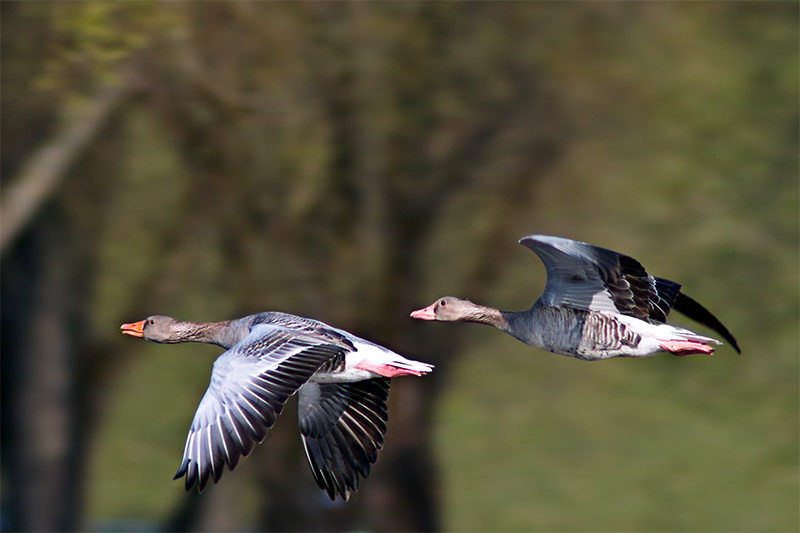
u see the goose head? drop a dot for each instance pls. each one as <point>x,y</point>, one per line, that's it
<point>158,328</point>
<point>450,309</point>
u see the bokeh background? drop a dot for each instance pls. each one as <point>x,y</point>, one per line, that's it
<point>352,161</point>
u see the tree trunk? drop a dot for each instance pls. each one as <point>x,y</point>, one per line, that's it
<point>45,459</point>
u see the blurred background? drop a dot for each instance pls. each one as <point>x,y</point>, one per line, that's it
<point>352,161</point>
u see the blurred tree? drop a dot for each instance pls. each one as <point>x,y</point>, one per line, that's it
<point>319,156</point>
<point>328,159</point>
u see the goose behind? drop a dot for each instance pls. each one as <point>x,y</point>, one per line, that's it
<point>597,304</point>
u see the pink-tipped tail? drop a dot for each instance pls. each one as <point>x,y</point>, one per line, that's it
<point>390,371</point>
<point>681,348</point>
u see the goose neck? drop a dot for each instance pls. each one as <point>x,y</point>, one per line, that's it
<point>206,332</point>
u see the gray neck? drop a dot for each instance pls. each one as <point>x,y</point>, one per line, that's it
<point>490,316</point>
<point>219,333</point>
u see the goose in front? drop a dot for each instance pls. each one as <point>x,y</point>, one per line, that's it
<point>342,384</point>
<point>597,304</point>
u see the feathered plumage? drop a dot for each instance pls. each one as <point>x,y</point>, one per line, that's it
<point>342,380</point>
<point>596,304</point>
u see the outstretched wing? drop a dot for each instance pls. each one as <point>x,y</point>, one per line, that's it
<point>249,386</point>
<point>587,277</point>
<point>343,427</point>
<point>308,326</point>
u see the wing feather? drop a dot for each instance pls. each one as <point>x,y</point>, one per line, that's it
<point>343,426</point>
<point>691,308</point>
<point>249,386</point>
<point>591,278</point>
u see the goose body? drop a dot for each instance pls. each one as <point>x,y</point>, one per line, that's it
<point>342,382</point>
<point>597,304</point>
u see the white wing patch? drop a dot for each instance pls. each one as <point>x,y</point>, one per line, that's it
<point>572,277</point>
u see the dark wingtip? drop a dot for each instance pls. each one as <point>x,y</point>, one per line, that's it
<point>692,309</point>
<point>181,470</point>
<point>735,345</point>
<point>191,477</point>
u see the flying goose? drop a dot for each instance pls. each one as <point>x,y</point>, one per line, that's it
<point>597,304</point>
<point>342,383</point>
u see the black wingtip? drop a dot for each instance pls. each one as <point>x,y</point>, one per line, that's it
<point>191,477</point>
<point>181,470</point>
<point>692,309</point>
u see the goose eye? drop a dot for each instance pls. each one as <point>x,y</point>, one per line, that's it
<point>151,322</point>
<point>442,303</point>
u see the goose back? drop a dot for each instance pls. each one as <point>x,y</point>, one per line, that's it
<point>587,277</point>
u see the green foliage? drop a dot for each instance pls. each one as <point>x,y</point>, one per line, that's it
<point>91,41</point>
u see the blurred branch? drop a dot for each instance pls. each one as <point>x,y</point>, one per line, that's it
<point>41,175</point>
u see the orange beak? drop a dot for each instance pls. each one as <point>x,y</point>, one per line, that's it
<point>134,329</point>
<point>425,313</point>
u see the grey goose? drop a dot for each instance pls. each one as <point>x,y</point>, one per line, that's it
<point>596,304</point>
<point>341,380</point>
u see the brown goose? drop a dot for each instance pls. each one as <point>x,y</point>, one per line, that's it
<point>597,304</point>
<point>342,383</point>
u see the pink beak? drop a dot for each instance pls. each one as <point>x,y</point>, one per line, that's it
<point>425,313</point>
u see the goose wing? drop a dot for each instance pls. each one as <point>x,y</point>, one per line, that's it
<point>249,386</point>
<point>309,326</point>
<point>343,426</point>
<point>587,277</point>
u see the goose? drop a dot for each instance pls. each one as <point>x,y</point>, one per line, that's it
<point>341,380</point>
<point>596,304</point>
